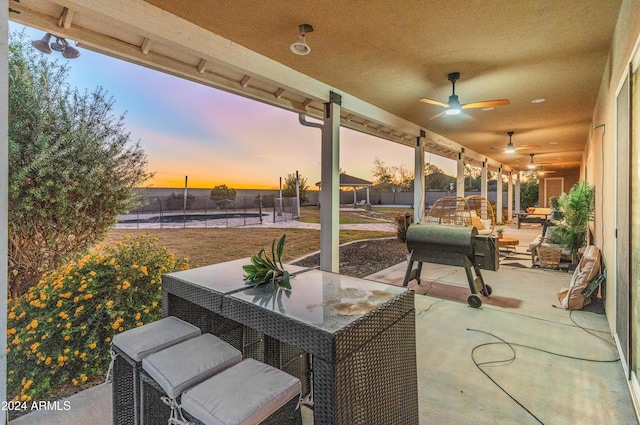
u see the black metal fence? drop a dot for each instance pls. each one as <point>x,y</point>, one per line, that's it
<point>192,211</point>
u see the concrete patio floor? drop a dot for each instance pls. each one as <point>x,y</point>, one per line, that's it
<point>559,367</point>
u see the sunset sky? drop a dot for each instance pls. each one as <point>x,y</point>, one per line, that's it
<point>214,137</point>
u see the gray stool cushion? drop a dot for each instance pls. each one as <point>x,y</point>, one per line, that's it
<point>244,394</point>
<point>138,343</point>
<point>190,362</point>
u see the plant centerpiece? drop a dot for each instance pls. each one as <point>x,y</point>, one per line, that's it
<point>265,269</point>
<point>577,211</point>
<point>500,232</point>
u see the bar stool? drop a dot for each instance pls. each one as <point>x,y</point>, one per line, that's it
<point>128,349</point>
<point>167,373</point>
<point>250,392</point>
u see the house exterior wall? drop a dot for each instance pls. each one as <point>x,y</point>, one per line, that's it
<point>600,153</point>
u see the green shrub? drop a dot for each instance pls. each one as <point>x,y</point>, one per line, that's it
<point>59,332</point>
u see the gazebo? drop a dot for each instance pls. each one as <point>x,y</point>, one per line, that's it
<point>354,182</point>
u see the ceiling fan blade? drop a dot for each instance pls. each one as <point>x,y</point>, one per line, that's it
<point>433,102</point>
<point>486,104</point>
<point>525,147</point>
<point>437,116</point>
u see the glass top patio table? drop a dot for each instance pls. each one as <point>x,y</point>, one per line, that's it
<point>327,301</point>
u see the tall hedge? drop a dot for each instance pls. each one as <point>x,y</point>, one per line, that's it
<point>72,165</point>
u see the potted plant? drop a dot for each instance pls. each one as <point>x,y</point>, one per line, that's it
<point>402,223</point>
<point>265,269</point>
<point>577,208</point>
<point>500,232</point>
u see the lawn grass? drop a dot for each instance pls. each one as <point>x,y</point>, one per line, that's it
<point>210,246</point>
<point>311,214</point>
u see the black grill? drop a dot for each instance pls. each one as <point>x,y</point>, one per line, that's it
<point>459,246</point>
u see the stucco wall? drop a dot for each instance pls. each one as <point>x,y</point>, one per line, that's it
<point>600,153</point>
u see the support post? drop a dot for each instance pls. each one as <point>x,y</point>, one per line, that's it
<point>330,189</point>
<point>499,196</point>
<point>517,207</point>
<point>484,180</point>
<point>484,187</point>
<point>418,182</point>
<point>510,197</point>
<point>460,175</point>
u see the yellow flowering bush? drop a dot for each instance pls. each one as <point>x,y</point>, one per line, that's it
<point>59,331</point>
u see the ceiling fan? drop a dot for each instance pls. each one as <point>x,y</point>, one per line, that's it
<point>454,107</point>
<point>516,148</point>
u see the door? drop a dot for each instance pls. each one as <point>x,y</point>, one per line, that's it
<point>622,293</point>
<point>553,187</point>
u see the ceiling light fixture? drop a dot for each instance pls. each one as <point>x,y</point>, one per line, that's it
<point>300,46</point>
<point>454,106</point>
<point>510,148</point>
<point>538,100</point>
<point>60,45</point>
<point>532,165</point>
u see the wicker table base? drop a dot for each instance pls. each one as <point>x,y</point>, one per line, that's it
<point>363,361</point>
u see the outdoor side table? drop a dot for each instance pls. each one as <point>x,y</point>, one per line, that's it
<point>508,242</point>
<point>360,333</point>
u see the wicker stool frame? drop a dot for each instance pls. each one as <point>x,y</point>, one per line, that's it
<point>125,389</point>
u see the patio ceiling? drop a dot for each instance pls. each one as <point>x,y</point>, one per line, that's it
<point>382,56</point>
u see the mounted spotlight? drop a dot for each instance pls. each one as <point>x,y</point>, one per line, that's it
<point>510,148</point>
<point>60,45</point>
<point>300,46</point>
<point>43,44</point>
<point>532,165</point>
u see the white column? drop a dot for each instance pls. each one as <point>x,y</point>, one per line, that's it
<point>517,207</point>
<point>4,200</point>
<point>510,197</point>
<point>483,180</point>
<point>418,180</point>
<point>499,197</point>
<point>368,199</point>
<point>460,176</point>
<point>330,191</point>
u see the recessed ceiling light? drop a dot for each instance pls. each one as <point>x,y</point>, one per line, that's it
<point>553,143</point>
<point>488,108</point>
<point>538,100</point>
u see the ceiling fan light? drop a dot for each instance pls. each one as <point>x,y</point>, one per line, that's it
<point>453,111</point>
<point>510,148</point>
